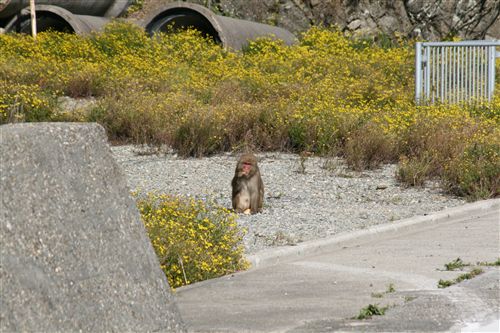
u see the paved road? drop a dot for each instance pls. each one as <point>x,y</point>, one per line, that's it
<point>322,285</point>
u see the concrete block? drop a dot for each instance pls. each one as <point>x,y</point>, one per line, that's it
<point>74,253</point>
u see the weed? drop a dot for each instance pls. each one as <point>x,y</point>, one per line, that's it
<point>413,172</point>
<point>303,157</point>
<point>370,311</point>
<point>331,164</point>
<point>455,264</point>
<point>494,263</point>
<point>410,298</point>
<point>463,156</point>
<point>194,240</point>
<point>368,147</point>
<point>390,289</point>
<point>475,173</point>
<point>445,283</point>
<point>25,103</point>
<point>466,276</point>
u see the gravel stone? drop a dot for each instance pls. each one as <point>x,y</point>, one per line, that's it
<point>300,204</point>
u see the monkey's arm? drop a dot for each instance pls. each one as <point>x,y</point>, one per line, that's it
<point>257,194</point>
<point>236,188</point>
<point>261,194</point>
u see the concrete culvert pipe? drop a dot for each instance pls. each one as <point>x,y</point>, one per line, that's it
<point>75,16</point>
<point>106,8</point>
<point>56,19</point>
<point>231,33</point>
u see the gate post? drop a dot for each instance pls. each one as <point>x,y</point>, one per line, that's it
<point>418,72</point>
<point>491,71</point>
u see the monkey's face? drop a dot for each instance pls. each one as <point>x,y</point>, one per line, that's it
<point>246,167</point>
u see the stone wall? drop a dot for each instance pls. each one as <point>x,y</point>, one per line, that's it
<point>74,253</point>
<point>432,20</point>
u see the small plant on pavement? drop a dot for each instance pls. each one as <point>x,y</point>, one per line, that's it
<point>409,298</point>
<point>455,264</point>
<point>390,289</point>
<point>485,263</point>
<point>377,295</point>
<point>466,276</point>
<point>445,283</point>
<point>370,311</point>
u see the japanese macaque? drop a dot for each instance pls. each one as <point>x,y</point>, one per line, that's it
<point>248,188</point>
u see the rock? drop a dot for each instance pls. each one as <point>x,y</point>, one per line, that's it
<point>75,255</point>
<point>466,19</point>
<point>354,25</point>
<point>389,24</point>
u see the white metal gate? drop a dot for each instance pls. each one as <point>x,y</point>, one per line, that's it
<point>452,72</point>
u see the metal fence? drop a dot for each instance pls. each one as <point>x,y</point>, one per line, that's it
<point>453,72</point>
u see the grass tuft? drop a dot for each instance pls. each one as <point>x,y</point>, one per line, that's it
<point>466,276</point>
<point>455,264</point>
<point>370,311</point>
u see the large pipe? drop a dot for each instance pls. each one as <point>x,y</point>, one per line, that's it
<point>76,16</point>
<point>84,16</point>
<point>56,18</point>
<point>231,33</point>
<point>106,8</point>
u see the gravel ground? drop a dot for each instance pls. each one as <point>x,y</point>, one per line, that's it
<point>321,199</point>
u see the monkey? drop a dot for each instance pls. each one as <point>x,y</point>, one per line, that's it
<point>247,185</point>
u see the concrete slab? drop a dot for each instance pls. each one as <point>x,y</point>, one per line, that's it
<point>321,292</point>
<point>285,253</point>
<point>74,253</point>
